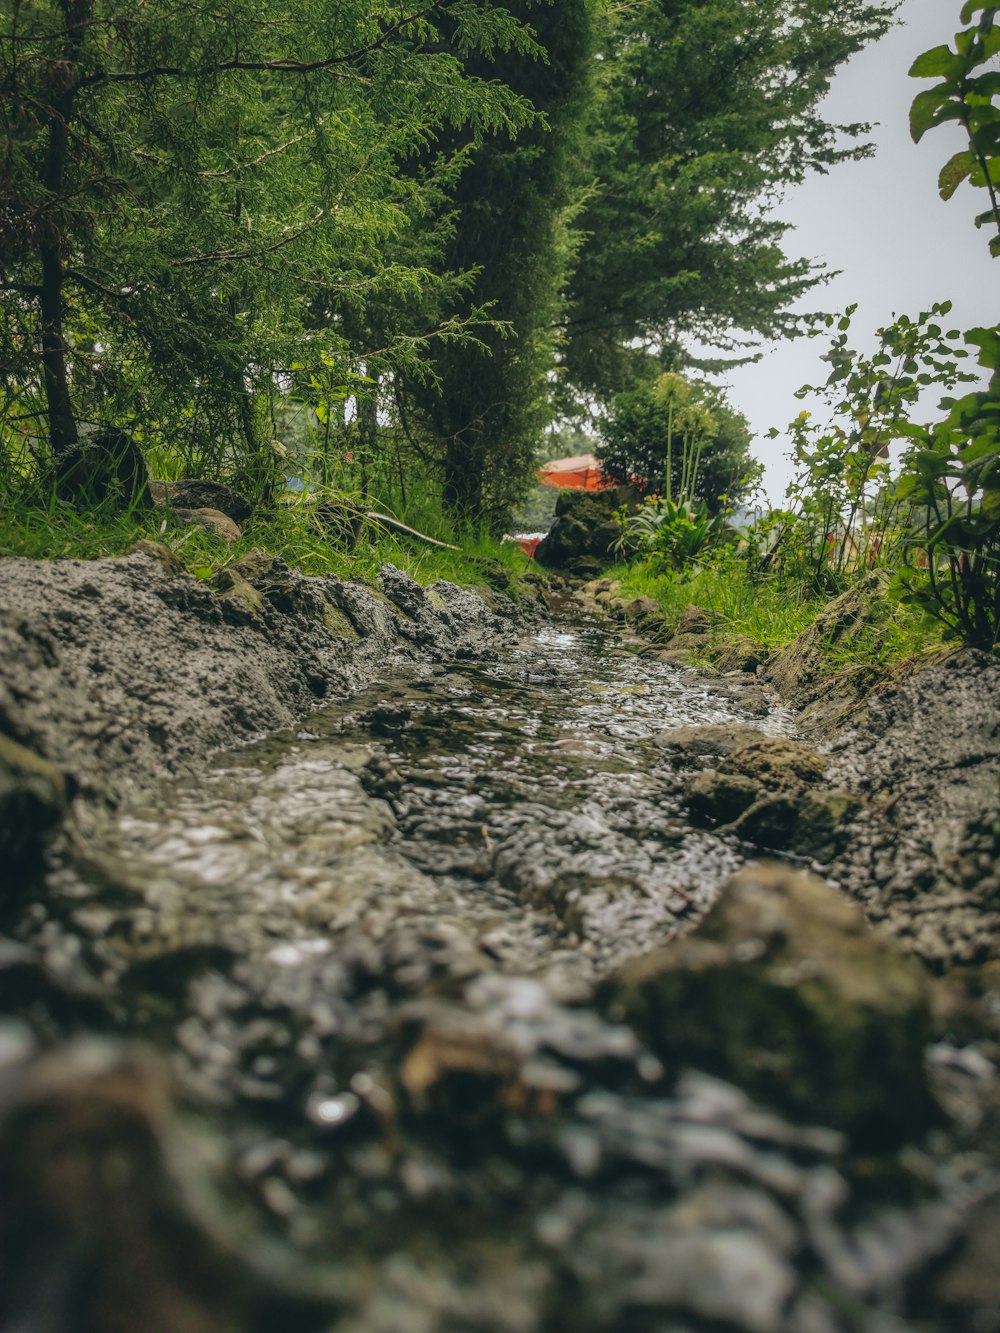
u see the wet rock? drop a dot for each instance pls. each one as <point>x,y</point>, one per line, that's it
<point>730,1276</point>
<point>125,670</point>
<point>801,670</point>
<point>720,798</point>
<point>765,790</point>
<point>786,991</point>
<point>104,1211</point>
<point>924,850</point>
<point>967,1294</point>
<point>214,520</point>
<point>719,739</point>
<point>195,494</point>
<point>33,801</point>
<point>584,531</point>
<point>776,764</point>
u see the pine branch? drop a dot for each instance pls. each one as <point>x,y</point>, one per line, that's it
<point>270,66</point>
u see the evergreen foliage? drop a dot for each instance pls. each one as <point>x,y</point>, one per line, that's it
<point>182,189</point>
<point>410,224</point>
<point>709,109</point>
<point>491,399</point>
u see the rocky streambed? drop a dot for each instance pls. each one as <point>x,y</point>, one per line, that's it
<point>507,989</point>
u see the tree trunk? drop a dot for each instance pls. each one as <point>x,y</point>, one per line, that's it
<point>65,77</point>
<point>463,479</point>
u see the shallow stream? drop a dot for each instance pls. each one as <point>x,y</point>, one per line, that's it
<point>369,950</point>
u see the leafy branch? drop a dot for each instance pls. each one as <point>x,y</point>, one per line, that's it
<point>966,97</point>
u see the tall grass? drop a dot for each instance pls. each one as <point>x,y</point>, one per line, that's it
<point>773,612</point>
<point>290,531</point>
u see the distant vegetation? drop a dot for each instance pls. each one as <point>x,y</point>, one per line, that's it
<point>360,252</point>
<point>381,248</point>
<point>931,520</point>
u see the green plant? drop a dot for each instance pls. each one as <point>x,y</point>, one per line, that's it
<point>670,535</point>
<point>678,437</point>
<point>967,97</point>
<point>952,485</point>
<point>846,515</point>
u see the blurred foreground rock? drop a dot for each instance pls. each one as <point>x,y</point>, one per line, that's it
<point>32,803</point>
<point>786,990</point>
<point>107,1221</point>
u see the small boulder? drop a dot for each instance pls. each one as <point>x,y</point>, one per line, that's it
<point>584,531</point>
<point>108,1215</point>
<point>738,654</point>
<point>162,554</point>
<point>640,607</point>
<point>766,792</point>
<point>195,494</point>
<point>696,621</point>
<point>212,519</point>
<point>717,738</point>
<point>720,798</point>
<point>777,764</point>
<point>787,991</point>
<point>233,588</point>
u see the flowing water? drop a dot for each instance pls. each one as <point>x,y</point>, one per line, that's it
<point>369,951</point>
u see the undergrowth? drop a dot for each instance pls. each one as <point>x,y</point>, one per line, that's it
<point>772,613</point>
<point>292,532</point>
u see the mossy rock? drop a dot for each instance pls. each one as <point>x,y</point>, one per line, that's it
<point>33,800</point>
<point>776,764</point>
<point>720,798</point>
<point>802,670</point>
<point>233,588</point>
<point>787,992</point>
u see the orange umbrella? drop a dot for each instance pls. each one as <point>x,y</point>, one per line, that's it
<point>582,473</point>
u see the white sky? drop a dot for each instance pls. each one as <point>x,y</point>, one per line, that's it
<point>881,222</point>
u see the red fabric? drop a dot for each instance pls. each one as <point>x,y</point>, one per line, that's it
<point>582,473</point>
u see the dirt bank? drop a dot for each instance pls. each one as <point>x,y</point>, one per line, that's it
<point>121,672</point>
<point>917,746</point>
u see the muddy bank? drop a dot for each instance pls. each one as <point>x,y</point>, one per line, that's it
<point>469,1005</point>
<point>904,812</point>
<point>121,672</point>
<point>462,1024</point>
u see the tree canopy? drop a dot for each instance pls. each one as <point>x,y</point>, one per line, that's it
<point>708,111</point>
<point>453,213</point>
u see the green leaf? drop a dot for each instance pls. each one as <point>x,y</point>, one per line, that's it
<point>926,109</point>
<point>988,342</point>
<point>991,503</point>
<point>955,171</point>
<point>980,449</point>
<point>940,62</point>
<point>986,140</point>
<point>909,430</point>
<point>973,7</point>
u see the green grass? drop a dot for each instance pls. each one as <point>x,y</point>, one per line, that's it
<point>774,613</point>
<point>768,614</point>
<point>291,532</point>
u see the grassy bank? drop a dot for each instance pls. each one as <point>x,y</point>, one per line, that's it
<point>291,531</point>
<point>772,613</point>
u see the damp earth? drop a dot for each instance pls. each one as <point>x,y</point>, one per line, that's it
<point>486,1001</point>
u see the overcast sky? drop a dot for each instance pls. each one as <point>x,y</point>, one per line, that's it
<point>881,222</point>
